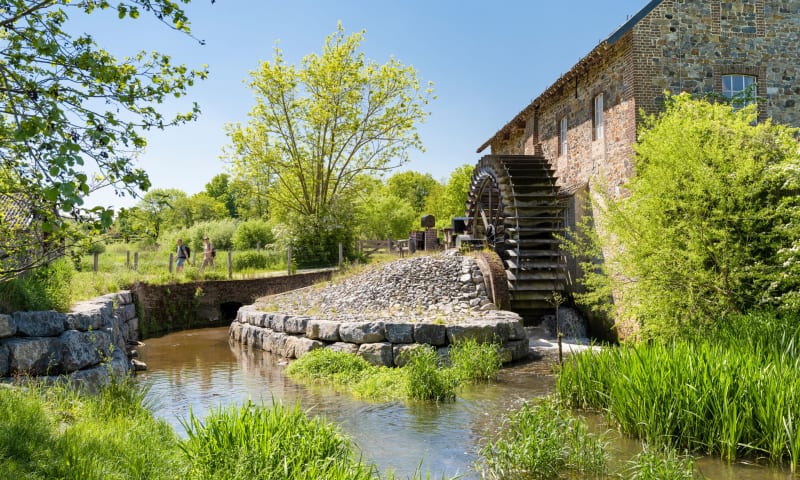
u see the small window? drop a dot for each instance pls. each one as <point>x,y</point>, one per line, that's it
<point>739,89</point>
<point>562,137</point>
<point>597,119</point>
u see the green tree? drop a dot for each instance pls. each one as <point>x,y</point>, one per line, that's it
<point>156,211</point>
<point>414,187</point>
<point>382,215</point>
<point>711,218</point>
<point>200,207</point>
<point>220,189</point>
<point>456,191</point>
<point>317,127</point>
<point>69,107</point>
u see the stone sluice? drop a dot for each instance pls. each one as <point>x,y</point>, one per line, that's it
<point>380,342</point>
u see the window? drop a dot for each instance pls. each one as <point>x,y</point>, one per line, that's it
<point>739,89</point>
<point>562,137</point>
<point>597,119</point>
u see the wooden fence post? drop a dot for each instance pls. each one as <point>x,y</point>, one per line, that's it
<point>136,261</point>
<point>128,259</point>
<point>289,261</point>
<point>230,264</point>
<point>94,265</point>
<point>170,262</point>
<point>341,256</point>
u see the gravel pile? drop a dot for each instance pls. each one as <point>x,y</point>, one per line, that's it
<point>447,285</point>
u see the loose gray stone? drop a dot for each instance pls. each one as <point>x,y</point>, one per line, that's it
<point>39,324</point>
<point>430,333</point>
<point>7,326</point>
<point>323,330</point>
<point>400,332</point>
<point>362,332</point>
<point>379,354</point>
<point>34,356</point>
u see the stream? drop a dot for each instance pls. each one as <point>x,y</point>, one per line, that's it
<point>197,370</point>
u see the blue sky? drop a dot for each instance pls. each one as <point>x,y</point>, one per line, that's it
<point>487,61</point>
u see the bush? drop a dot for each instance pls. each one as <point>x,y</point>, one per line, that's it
<point>251,260</point>
<point>44,288</point>
<point>252,234</point>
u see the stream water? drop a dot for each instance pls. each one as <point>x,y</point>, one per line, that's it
<point>197,370</point>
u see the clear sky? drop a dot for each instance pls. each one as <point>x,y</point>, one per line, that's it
<point>487,60</point>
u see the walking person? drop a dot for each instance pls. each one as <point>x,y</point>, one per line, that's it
<point>183,255</point>
<point>208,254</point>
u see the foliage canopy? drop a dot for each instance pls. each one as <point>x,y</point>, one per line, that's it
<point>67,106</point>
<point>711,225</point>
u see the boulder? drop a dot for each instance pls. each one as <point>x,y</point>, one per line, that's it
<point>39,324</point>
<point>34,356</point>
<point>430,333</point>
<point>379,354</point>
<point>402,353</point>
<point>344,347</point>
<point>7,326</point>
<point>83,349</point>
<point>326,330</point>
<point>362,332</point>
<point>400,332</point>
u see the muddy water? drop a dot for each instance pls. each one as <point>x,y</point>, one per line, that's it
<point>200,370</point>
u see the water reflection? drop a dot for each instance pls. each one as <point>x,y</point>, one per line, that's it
<point>197,370</point>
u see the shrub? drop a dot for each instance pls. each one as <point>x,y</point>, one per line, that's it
<point>252,234</point>
<point>44,288</point>
<point>250,260</point>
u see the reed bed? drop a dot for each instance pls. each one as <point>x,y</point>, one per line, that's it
<point>734,392</point>
<point>542,440</point>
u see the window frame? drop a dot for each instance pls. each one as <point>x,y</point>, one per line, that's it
<point>598,117</point>
<point>735,96</point>
<point>563,131</point>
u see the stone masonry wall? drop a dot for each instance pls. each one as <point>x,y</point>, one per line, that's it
<point>88,345</point>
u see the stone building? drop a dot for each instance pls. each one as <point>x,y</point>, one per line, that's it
<point>582,127</point>
<point>585,122</point>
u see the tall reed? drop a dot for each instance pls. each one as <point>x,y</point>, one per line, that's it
<point>734,393</point>
<point>542,441</point>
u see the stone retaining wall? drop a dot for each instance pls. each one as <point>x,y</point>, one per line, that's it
<point>87,345</point>
<point>379,341</point>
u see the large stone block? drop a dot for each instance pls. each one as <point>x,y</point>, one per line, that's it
<point>277,322</point>
<point>3,360</point>
<point>402,353</point>
<point>344,347</point>
<point>7,326</point>
<point>481,332</point>
<point>400,332</point>
<point>430,333</point>
<point>83,349</point>
<point>380,354</point>
<point>518,350</point>
<point>39,324</point>
<point>325,330</point>
<point>296,324</point>
<point>84,317</point>
<point>34,356</point>
<point>304,345</point>
<point>362,332</point>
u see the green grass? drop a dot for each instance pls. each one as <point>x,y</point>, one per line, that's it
<point>424,377</point>
<point>542,440</point>
<point>55,432</point>
<point>114,273</point>
<point>734,392</point>
<point>660,464</point>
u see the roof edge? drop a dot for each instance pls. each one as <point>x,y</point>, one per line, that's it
<point>610,40</point>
